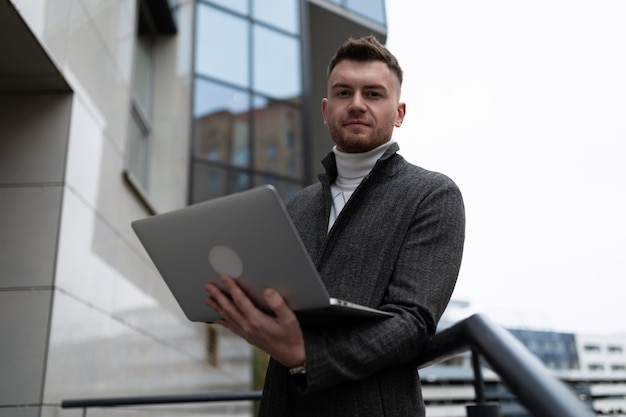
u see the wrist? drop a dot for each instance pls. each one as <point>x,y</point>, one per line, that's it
<point>296,357</point>
<point>298,370</point>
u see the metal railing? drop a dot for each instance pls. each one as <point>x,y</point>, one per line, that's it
<point>523,374</point>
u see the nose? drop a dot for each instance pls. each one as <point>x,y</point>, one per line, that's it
<point>358,103</point>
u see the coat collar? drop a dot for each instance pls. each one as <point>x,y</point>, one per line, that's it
<point>382,167</point>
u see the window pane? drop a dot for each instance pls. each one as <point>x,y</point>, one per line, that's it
<point>210,97</point>
<point>137,152</point>
<point>372,9</point>
<point>221,128</point>
<point>277,69</point>
<point>210,182</point>
<point>278,138</point>
<point>286,189</point>
<point>142,77</point>
<point>240,6</point>
<point>222,46</point>
<point>280,13</point>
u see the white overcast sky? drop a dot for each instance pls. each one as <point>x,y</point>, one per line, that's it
<point>523,105</point>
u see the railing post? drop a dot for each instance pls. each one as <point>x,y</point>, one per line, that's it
<point>482,408</point>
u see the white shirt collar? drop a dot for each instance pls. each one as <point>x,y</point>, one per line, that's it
<point>353,167</point>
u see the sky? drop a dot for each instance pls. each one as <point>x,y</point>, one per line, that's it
<point>523,105</point>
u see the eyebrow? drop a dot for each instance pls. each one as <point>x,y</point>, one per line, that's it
<point>367,86</point>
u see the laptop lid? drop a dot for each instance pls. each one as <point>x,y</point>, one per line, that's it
<point>247,235</point>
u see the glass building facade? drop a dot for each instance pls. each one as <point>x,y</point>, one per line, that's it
<point>370,9</point>
<point>247,106</point>
<point>249,97</point>
<point>558,351</point>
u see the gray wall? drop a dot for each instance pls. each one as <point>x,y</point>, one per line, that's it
<point>33,146</point>
<point>35,108</point>
<point>83,312</point>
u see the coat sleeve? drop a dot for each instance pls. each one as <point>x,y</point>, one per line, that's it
<point>418,291</point>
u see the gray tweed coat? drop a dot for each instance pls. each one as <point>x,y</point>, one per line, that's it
<point>396,246</point>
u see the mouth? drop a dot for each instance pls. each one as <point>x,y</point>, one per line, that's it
<point>355,123</point>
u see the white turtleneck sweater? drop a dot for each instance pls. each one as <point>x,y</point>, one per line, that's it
<point>351,169</point>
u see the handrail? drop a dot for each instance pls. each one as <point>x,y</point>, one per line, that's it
<point>524,375</point>
<point>163,399</point>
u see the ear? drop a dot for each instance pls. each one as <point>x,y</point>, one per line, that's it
<point>401,112</point>
<point>324,110</point>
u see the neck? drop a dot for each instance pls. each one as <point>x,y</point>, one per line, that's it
<point>353,167</point>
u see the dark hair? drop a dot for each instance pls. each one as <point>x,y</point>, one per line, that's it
<point>365,49</point>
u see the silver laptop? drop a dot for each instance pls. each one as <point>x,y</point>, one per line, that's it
<point>249,236</point>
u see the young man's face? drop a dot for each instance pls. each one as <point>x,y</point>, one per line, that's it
<point>363,105</point>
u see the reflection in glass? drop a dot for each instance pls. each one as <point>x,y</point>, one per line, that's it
<point>221,127</point>
<point>277,69</point>
<point>240,6</point>
<point>283,14</point>
<point>143,76</point>
<point>210,97</point>
<point>371,9</point>
<point>211,182</point>
<point>286,189</point>
<point>221,46</point>
<point>278,138</point>
<point>137,151</point>
<point>247,104</point>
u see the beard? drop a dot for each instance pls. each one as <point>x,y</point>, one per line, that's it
<point>358,142</point>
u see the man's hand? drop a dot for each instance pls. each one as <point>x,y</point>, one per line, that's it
<point>280,336</point>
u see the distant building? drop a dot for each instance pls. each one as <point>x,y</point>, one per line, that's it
<point>593,366</point>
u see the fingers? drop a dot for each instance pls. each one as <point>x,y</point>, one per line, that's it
<point>239,298</point>
<point>231,318</point>
<point>240,312</point>
<point>237,311</point>
<point>280,335</point>
<point>277,303</point>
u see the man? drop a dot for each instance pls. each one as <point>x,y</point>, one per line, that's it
<point>383,233</point>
